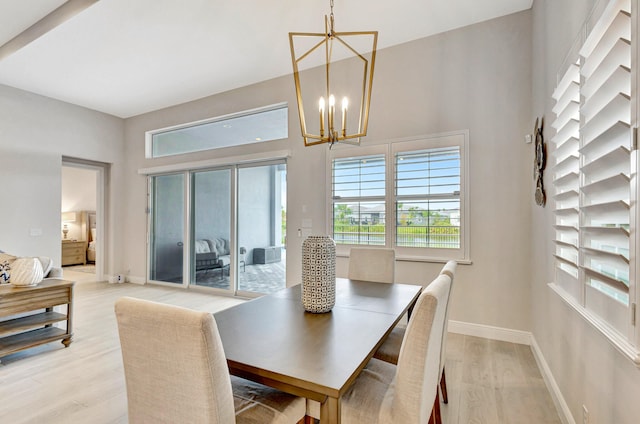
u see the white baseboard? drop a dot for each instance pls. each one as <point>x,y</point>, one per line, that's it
<point>556,394</point>
<point>136,280</point>
<point>519,337</point>
<point>490,332</point>
<point>113,279</point>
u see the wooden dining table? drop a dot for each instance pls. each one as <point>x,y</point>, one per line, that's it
<point>272,340</point>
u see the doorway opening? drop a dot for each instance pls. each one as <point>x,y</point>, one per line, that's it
<point>82,218</point>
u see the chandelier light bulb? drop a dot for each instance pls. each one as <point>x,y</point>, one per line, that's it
<point>332,110</point>
<point>321,109</point>
<point>345,105</point>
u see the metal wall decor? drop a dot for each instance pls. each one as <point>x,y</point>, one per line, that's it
<point>539,163</point>
<point>329,67</point>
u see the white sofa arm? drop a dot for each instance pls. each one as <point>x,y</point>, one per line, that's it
<point>55,272</point>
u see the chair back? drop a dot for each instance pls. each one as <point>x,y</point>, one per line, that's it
<point>411,395</point>
<point>450,270</point>
<point>174,364</point>
<point>369,264</point>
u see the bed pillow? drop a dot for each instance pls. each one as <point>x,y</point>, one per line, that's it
<point>93,234</point>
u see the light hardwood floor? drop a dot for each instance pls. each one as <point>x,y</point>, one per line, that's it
<point>488,381</point>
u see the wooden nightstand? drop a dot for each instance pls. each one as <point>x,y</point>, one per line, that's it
<point>74,252</point>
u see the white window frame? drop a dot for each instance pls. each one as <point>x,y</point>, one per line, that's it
<point>390,148</point>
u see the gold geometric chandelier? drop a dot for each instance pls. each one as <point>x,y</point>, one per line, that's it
<point>348,60</point>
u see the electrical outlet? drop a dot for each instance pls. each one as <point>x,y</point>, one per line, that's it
<point>585,415</point>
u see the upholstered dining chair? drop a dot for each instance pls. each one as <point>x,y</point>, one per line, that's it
<point>176,372</point>
<point>385,393</point>
<point>406,393</point>
<point>390,349</point>
<point>450,270</point>
<point>369,264</point>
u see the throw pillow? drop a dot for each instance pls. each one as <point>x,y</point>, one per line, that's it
<point>5,257</point>
<point>26,272</point>
<point>46,263</point>
<point>5,272</point>
<point>202,246</point>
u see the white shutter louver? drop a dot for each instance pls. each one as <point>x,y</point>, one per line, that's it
<point>595,164</point>
<point>605,149</point>
<point>566,178</point>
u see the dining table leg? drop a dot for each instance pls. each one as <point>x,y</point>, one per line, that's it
<point>330,411</point>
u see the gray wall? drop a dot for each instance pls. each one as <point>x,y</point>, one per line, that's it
<point>35,132</point>
<point>586,367</point>
<point>476,78</point>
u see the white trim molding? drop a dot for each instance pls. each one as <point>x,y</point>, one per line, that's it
<point>212,163</point>
<point>561,405</point>
<point>490,332</point>
<point>613,336</point>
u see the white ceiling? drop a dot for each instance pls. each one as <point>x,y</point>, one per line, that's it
<point>127,57</point>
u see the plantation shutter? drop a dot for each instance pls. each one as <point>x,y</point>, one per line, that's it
<point>605,156</point>
<point>428,198</point>
<point>358,193</point>
<point>566,179</point>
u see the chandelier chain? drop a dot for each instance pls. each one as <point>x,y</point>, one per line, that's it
<point>331,32</point>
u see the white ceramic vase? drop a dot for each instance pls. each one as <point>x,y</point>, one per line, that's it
<point>318,274</point>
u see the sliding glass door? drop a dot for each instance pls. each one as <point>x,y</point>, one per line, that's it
<point>211,223</point>
<point>262,198</point>
<point>166,228</point>
<point>235,223</point>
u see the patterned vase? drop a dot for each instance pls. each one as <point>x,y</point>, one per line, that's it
<point>318,274</point>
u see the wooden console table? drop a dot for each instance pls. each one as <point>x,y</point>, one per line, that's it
<point>27,315</point>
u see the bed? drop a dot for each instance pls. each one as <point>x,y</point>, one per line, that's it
<point>91,237</point>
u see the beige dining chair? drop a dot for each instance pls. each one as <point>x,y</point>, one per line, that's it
<point>176,372</point>
<point>406,393</point>
<point>450,270</point>
<point>369,264</point>
<point>390,349</point>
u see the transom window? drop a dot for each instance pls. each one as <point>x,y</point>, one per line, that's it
<point>251,126</point>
